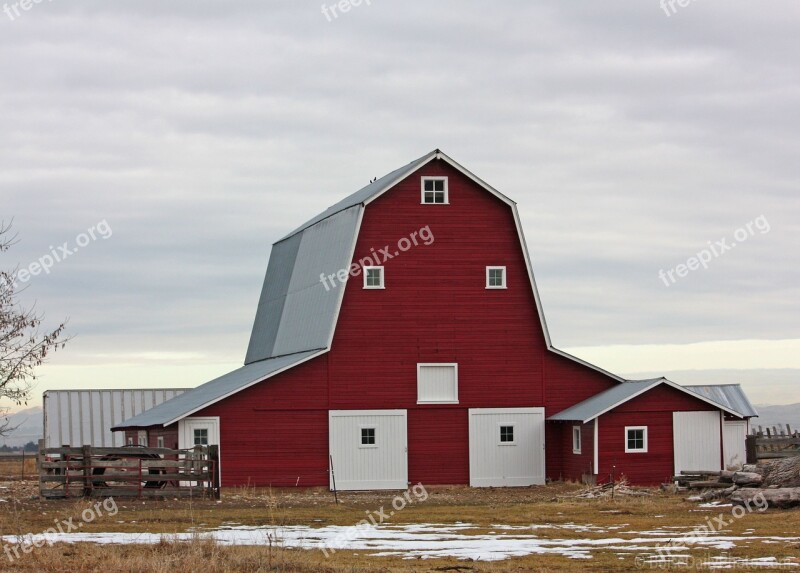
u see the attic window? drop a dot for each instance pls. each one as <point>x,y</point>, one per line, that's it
<point>373,277</point>
<point>434,191</point>
<point>496,277</point>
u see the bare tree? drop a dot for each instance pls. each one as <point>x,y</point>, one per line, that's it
<point>23,345</point>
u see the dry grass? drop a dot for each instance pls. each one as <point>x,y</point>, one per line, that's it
<point>12,469</point>
<point>260,507</point>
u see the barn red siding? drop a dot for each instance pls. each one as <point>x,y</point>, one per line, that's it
<point>652,409</point>
<point>575,466</point>
<point>568,383</point>
<point>438,452</point>
<point>276,432</point>
<point>170,435</point>
<point>436,307</point>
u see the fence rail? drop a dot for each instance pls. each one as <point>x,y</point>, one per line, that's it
<point>67,472</point>
<point>772,443</point>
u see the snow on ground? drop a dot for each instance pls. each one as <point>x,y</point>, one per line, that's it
<point>460,541</point>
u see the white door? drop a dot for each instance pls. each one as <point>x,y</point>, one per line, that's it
<point>733,444</point>
<point>368,449</point>
<point>697,439</point>
<point>198,432</point>
<point>506,447</point>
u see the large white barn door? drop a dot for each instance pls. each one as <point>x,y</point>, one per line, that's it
<point>506,447</point>
<point>733,443</point>
<point>368,449</point>
<point>697,438</point>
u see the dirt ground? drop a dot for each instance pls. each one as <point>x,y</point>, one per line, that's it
<point>22,512</point>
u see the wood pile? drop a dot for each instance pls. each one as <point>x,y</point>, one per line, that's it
<point>611,490</point>
<point>776,481</point>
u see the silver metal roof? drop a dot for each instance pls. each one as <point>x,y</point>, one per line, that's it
<point>297,312</point>
<point>600,403</point>
<point>366,193</point>
<point>730,395</point>
<point>189,402</point>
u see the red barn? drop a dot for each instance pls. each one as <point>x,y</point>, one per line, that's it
<point>399,338</point>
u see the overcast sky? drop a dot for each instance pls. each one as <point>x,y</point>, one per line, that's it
<point>195,134</point>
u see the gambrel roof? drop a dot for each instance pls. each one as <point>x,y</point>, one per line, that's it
<point>296,317</point>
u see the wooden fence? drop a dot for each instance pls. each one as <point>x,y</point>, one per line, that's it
<point>68,472</point>
<point>772,443</point>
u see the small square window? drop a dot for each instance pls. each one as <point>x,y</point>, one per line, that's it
<point>495,277</point>
<point>636,439</point>
<point>434,191</point>
<point>201,437</point>
<point>373,277</point>
<point>368,436</point>
<point>506,434</point>
<point>576,439</point>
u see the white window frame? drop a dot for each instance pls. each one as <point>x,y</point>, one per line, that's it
<point>160,441</point>
<point>446,190</point>
<point>577,441</point>
<point>383,278</point>
<point>455,372</point>
<point>642,450</point>
<point>130,440</point>
<point>505,278</point>
<point>361,443</point>
<point>208,436</point>
<point>500,426</point>
<point>141,438</point>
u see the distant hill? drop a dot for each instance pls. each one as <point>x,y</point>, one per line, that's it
<point>29,427</point>
<point>769,416</point>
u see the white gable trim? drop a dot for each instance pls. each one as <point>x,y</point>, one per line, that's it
<point>237,390</point>
<point>653,385</point>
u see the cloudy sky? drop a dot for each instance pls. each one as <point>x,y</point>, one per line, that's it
<point>191,135</point>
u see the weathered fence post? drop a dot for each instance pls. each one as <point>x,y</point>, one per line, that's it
<point>213,456</point>
<point>39,460</point>
<point>87,471</point>
<point>751,446</point>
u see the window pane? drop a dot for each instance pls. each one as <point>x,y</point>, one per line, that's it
<point>438,185</point>
<point>429,197</point>
<point>367,436</point>
<point>201,437</point>
<point>429,185</point>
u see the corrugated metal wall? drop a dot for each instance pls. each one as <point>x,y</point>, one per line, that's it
<point>85,417</point>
